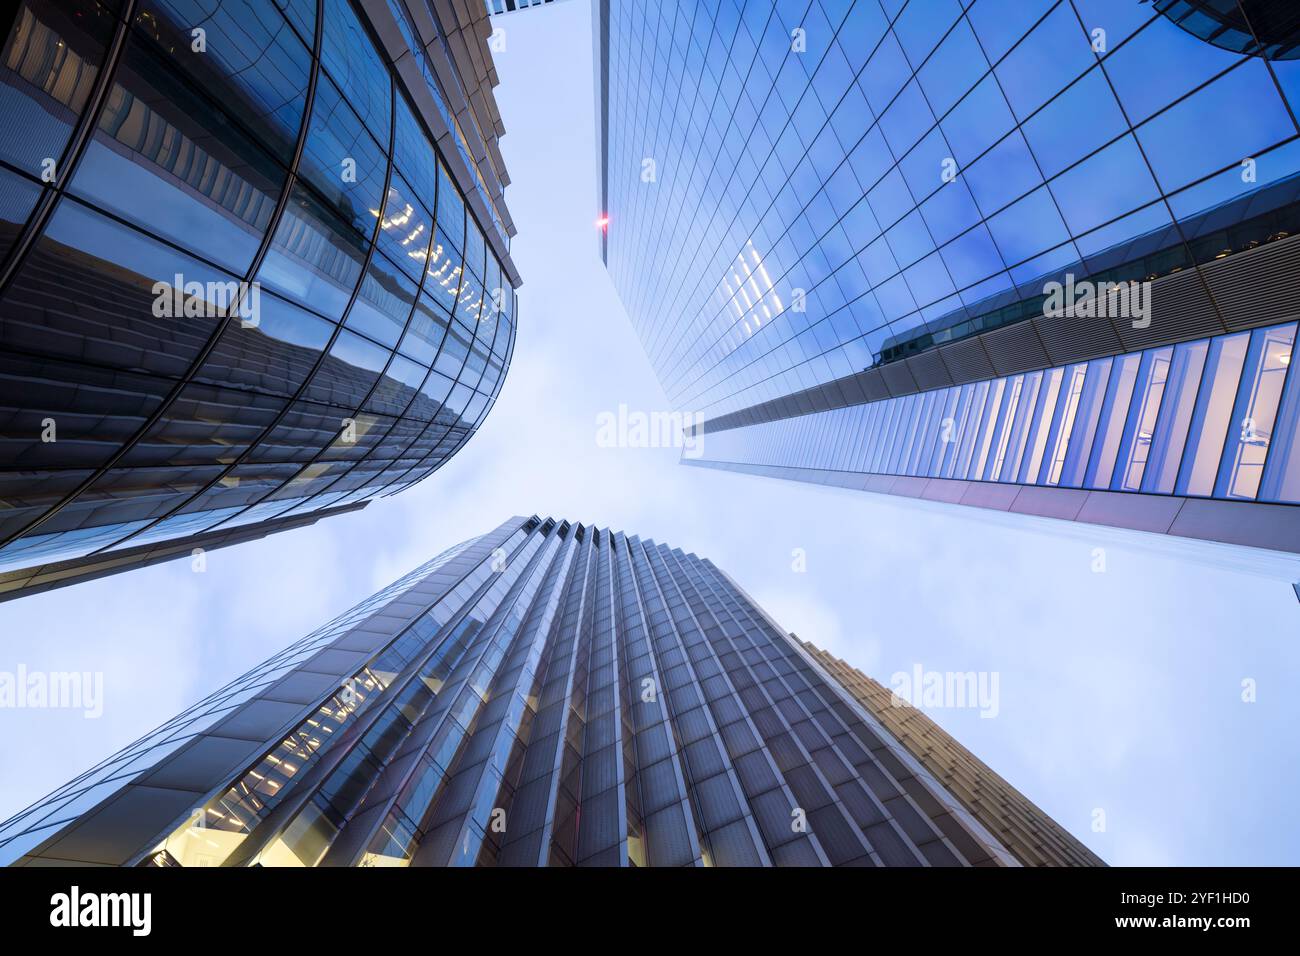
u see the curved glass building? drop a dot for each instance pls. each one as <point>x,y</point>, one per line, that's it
<point>1030,255</point>
<point>254,269</point>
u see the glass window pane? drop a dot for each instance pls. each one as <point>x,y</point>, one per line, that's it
<point>970,427</point>
<point>1063,425</point>
<point>383,304</point>
<point>48,70</point>
<point>987,427</point>
<point>1114,413</point>
<point>1210,129</point>
<point>1175,417</point>
<point>1213,411</point>
<point>406,230</point>
<point>1086,420</point>
<point>1140,428</point>
<point>1025,410</point>
<point>413,154</point>
<point>1015,388</point>
<point>1282,471</point>
<point>342,160</point>
<point>168,156</point>
<point>1044,413</point>
<point>1251,427</point>
<point>315,258</point>
<point>354,64</point>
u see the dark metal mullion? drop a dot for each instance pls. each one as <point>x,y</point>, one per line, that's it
<point>1289,379</point>
<point>292,400</point>
<point>464,269</point>
<point>1164,194</point>
<point>475,389</point>
<point>1268,65</point>
<point>392,353</point>
<point>219,329</point>
<point>308,709</point>
<point>275,822</point>
<point>71,155</point>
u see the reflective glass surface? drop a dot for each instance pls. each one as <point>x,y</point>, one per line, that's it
<point>800,191</point>
<point>232,303</point>
<point>1208,418</point>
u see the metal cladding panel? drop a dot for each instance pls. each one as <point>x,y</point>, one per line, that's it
<point>1263,525</point>
<point>898,379</point>
<point>967,361</point>
<point>928,371</point>
<point>1238,522</point>
<point>112,835</point>
<point>1074,338</point>
<point>1259,287</point>
<point>873,383</point>
<point>1180,308</point>
<point>1017,348</point>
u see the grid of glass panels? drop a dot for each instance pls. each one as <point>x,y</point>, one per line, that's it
<point>383,322</point>
<point>794,185</point>
<point>495,7</point>
<point>1216,417</point>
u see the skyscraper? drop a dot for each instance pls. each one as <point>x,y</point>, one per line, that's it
<point>498,7</point>
<point>1033,837</point>
<point>547,693</point>
<point>1030,255</point>
<point>254,269</point>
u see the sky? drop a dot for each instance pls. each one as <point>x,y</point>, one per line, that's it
<point>1119,673</point>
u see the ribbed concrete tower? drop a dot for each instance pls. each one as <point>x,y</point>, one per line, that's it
<point>546,694</point>
<point>1031,835</point>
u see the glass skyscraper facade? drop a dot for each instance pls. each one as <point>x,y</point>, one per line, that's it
<point>862,241</point>
<point>546,694</point>
<point>254,268</point>
<point>496,7</point>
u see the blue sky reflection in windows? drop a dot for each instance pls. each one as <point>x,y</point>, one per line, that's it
<point>910,176</point>
<point>289,153</point>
